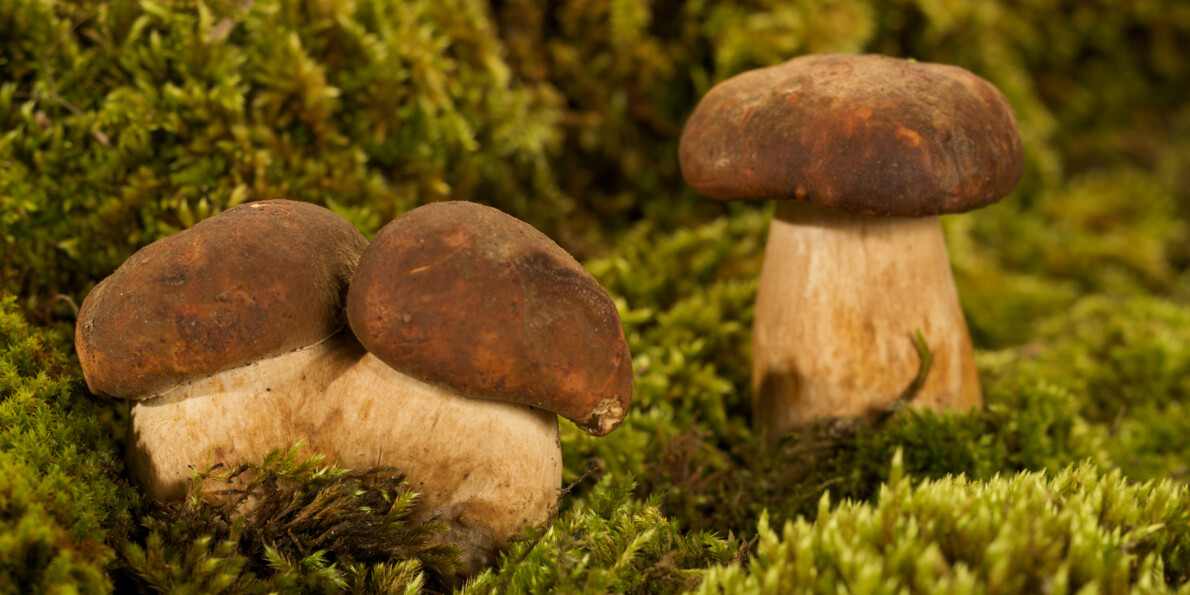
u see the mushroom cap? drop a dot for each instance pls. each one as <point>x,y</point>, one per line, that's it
<point>255,281</point>
<point>463,296</point>
<point>864,134</point>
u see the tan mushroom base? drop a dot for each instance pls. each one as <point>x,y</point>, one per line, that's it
<point>486,468</point>
<point>840,299</point>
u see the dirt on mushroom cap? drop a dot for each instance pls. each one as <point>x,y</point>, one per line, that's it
<point>866,134</point>
<point>463,296</point>
<point>255,281</point>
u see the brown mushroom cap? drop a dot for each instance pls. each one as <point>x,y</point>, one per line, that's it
<point>253,282</point>
<point>462,296</point>
<point>865,134</point>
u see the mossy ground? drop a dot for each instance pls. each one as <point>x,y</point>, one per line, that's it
<point>121,122</point>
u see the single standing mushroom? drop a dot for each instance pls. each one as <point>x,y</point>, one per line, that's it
<point>494,328</point>
<point>863,153</point>
<point>240,304</point>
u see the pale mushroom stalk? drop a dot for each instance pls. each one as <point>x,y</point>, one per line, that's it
<point>485,468</point>
<point>841,299</point>
<point>212,420</point>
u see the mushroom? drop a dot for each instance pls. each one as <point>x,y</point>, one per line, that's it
<point>863,153</point>
<point>485,328</point>
<point>210,328</point>
<point>228,334</point>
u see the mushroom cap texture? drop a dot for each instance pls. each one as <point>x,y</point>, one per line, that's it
<point>865,134</point>
<point>255,281</point>
<point>465,297</point>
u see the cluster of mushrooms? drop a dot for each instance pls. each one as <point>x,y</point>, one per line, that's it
<point>445,347</point>
<point>467,330</point>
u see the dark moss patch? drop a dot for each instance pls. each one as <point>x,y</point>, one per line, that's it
<point>309,528</point>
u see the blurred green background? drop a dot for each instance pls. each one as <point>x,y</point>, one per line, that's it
<point>124,121</point>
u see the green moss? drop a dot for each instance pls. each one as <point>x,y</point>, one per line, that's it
<point>689,438</point>
<point>121,122</point>
<point>311,528</point>
<point>720,485</point>
<point>1128,360</point>
<point>1120,353</point>
<point>1116,232</point>
<point>608,543</point>
<point>689,330</point>
<point>1152,441</point>
<point>60,496</point>
<point>1029,533</point>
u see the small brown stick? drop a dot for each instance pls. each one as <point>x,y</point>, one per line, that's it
<point>61,297</point>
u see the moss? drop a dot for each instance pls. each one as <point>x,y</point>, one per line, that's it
<point>126,121</point>
<point>1116,232</point>
<point>1152,441</point>
<point>61,498</point>
<point>608,543</point>
<point>1128,360</point>
<point>689,331</point>
<point>1027,424</point>
<point>310,528</point>
<point>692,293</point>
<point>122,122</point>
<point>1119,352</point>
<point>1077,529</point>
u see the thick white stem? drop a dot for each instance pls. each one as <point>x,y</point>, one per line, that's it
<point>234,416</point>
<point>486,468</point>
<point>841,297</point>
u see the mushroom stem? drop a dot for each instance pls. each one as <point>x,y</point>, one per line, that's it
<point>841,297</point>
<point>485,468</point>
<point>234,416</point>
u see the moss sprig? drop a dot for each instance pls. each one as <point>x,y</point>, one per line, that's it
<point>1074,530</point>
<point>607,543</point>
<point>291,524</point>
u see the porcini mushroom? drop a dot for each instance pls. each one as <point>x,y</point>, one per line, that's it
<point>862,153</point>
<point>229,336</point>
<point>494,328</point>
<point>192,326</point>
